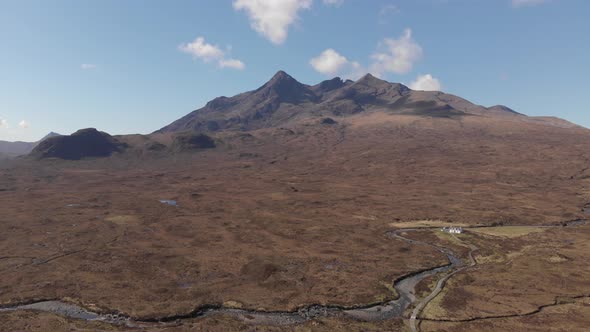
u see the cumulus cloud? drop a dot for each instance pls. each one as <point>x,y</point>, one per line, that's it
<point>23,124</point>
<point>336,3</point>
<point>3,123</point>
<point>272,18</point>
<point>392,56</point>
<point>329,62</point>
<point>87,66</point>
<point>200,49</point>
<point>523,3</point>
<point>426,83</point>
<point>231,63</point>
<point>396,55</point>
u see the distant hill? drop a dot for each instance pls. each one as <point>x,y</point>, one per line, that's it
<point>13,149</point>
<point>83,143</point>
<point>284,100</point>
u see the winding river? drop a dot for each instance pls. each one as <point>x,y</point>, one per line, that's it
<point>404,286</point>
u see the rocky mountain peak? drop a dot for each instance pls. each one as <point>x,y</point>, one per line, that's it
<point>285,88</point>
<point>329,85</point>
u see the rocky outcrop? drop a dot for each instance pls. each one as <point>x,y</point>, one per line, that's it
<point>191,142</point>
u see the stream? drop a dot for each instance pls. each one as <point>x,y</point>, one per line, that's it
<point>393,309</point>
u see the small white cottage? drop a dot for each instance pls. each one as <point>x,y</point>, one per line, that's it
<point>452,230</point>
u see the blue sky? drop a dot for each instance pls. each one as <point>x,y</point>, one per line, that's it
<point>133,66</point>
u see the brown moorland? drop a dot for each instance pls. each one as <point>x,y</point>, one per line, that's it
<point>281,216</point>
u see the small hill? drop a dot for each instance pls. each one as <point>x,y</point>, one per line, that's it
<point>81,144</point>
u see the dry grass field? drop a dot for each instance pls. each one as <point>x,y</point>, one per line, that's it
<point>508,231</point>
<point>276,219</point>
<point>517,276</point>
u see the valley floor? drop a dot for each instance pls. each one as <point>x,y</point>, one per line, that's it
<point>276,220</point>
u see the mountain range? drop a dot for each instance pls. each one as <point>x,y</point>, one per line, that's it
<point>283,102</point>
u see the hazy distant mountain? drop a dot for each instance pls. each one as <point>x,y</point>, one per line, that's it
<point>283,100</point>
<point>13,149</point>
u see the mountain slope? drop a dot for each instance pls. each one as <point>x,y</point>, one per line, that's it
<point>248,110</point>
<point>284,100</point>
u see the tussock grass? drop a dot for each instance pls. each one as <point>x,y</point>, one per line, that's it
<point>425,223</point>
<point>509,231</point>
<point>123,219</point>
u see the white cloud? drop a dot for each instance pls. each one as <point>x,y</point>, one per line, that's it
<point>336,3</point>
<point>396,55</point>
<point>272,18</point>
<point>87,66</point>
<point>23,124</point>
<point>3,123</point>
<point>231,63</point>
<point>392,56</point>
<point>200,49</point>
<point>329,62</point>
<point>523,3</point>
<point>426,83</point>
